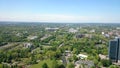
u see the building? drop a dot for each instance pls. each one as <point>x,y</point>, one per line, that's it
<point>51,29</point>
<point>103,33</point>
<point>82,56</point>
<point>84,64</point>
<point>92,31</point>
<point>27,45</point>
<point>72,30</point>
<point>32,37</point>
<point>68,53</point>
<point>114,50</point>
<point>80,36</point>
<point>103,56</point>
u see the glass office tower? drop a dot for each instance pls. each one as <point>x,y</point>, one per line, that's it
<point>114,50</point>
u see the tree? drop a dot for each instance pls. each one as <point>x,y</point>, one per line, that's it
<point>50,54</point>
<point>75,58</point>
<point>95,62</point>
<point>44,65</point>
<point>54,64</point>
<point>70,65</point>
<point>74,50</point>
<point>61,66</point>
<point>106,63</point>
<point>113,66</point>
<point>99,64</point>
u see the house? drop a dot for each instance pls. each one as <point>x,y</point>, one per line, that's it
<point>83,35</point>
<point>68,53</point>
<point>18,34</point>
<point>92,31</point>
<point>80,36</point>
<point>45,37</point>
<point>103,56</point>
<point>28,45</point>
<point>88,35</point>
<point>85,63</point>
<point>32,37</point>
<point>82,56</point>
<point>107,35</point>
<point>102,33</point>
<point>51,29</point>
<point>72,30</point>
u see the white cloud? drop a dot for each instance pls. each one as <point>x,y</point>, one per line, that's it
<point>56,18</point>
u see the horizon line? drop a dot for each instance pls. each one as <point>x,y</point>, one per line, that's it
<point>53,22</point>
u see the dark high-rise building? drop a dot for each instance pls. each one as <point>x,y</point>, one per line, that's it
<point>114,50</point>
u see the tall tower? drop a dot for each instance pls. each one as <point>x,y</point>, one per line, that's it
<point>119,49</point>
<point>114,50</point>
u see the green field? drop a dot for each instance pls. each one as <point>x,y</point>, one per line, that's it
<point>0,65</point>
<point>49,62</point>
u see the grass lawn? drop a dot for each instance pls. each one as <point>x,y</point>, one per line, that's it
<point>39,65</point>
<point>0,65</point>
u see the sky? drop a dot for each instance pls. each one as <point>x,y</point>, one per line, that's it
<point>62,11</point>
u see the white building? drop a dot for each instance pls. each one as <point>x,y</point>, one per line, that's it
<point>103,33</point>
<point>82,56</point>
<point>32,37</point>
<point>92,31</point>
<point>68,53</point>
<point>71,30</point>
<point>51,29</point>
<point>27,45</point>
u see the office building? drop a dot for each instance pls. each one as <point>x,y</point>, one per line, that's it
<point>114,50</point>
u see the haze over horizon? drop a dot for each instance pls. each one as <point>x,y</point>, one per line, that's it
<point>68,11</point>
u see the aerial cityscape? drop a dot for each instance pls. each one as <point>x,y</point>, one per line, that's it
<point>59,34</point>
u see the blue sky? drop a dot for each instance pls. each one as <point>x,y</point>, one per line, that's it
<point>102,11</point>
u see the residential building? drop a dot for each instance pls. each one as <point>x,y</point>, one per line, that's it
<point>28,45</point>
<point>72,30</point>
<point>82,56</point>
<point>51,29</point>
